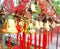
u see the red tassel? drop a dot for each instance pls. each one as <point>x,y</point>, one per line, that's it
<point>17,37</point>
<point>57,42</point>
<point>29,43</point>
<point>45,39</point>
<point>48,39</point>
<point>35,47</point>
<point>57,30</point>
<point>51,36</point>
<point>18,28</point>
<point>9,40</point>
<point>24,41</point>
<point>39,40</point>
<point>30,39</point>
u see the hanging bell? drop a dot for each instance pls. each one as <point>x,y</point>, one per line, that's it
<point>4,28</point>
<point>31,28</point>
<point>53,25</point>
<point>11,26</point>
<point>47,26</point>
<point>37,25</point>
<point>33,7</point>
<point>41,24</point>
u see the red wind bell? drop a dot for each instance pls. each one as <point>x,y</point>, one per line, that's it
<point>21,8</point>
<point>9,7</point>
<point>43,6</point>
<point>5,3</point>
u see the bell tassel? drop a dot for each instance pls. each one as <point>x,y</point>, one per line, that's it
<point>24,41</point>
<point>45,39</point>
<point>35,41</point>
<point>28,44</point>
<point>51,37</point>
<point>48,40</point>
<point>57,30</point>
<point>30,39</point>
<point>9,40</point>
<point>39,40</point>
<point>17,37</point>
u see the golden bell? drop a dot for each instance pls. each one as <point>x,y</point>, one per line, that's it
<point>41,24</point>
<point>11,26</point>
<point>47,25</point>
<point>31,28</point>
<point>33,7</point>
<point>4,28</point>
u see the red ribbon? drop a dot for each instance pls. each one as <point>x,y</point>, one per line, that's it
<point>39,40</point>
<point>18,28</point>
<point>48,39</point>
<point>51,36</point>
<point>57,31</point>
<point>24,41</point>
<point>44,39</point>
<point>30,39</point>
<point>29,42</point>
<point>57,42</point>
<point>9,40</point>
<point>35,41</point>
